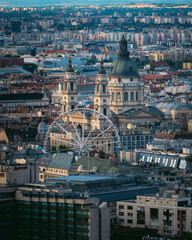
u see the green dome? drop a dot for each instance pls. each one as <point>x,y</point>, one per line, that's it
<point>123,66</point>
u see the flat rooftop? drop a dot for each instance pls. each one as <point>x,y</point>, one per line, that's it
<point>81,178</point>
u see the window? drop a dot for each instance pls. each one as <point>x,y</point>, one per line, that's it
<point>125,96</point>
<point>72,107</point>
<point>104,111</point>
<point>153,213</point>
<point>121,213</point>
<point>129,221</point>
<point>121,206</point>
<point>72,86</point>
<point>132,96</point>
<point>137,98</point>
<point>97,88</point>
<point>113,96</point>
<point>130,207</point>
<point>129,214</point>
<point>118,96</point>
<point>104,88</point>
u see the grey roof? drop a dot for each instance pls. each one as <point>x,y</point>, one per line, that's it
<point>161,159</point>
<point>82,178</point>
<point>150,109</point>
<point>102,165</point>
<point>177,107</point>
<point>61,161</point>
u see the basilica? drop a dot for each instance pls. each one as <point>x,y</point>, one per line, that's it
<point>119,96</point>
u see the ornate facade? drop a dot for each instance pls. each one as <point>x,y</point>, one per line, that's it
<point>69,95</point>
<point>102,94</point>
<point>126,91</point>
<point>119,96</point>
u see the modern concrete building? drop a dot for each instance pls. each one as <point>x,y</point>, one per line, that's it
<point>51,213</point>
<point>168,212</point>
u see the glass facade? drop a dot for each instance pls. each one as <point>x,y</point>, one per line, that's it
<point>48,220</point>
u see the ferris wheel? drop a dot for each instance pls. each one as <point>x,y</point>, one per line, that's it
<point>82,130</point>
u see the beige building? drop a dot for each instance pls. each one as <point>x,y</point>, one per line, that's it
<point>170,212</point>
<point>156,56</point>
<point>187,65</point>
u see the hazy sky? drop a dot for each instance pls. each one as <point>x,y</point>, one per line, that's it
<point>28,3</point>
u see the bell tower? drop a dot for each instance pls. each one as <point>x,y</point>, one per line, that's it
<point>69,100</point>
<point>101,94</point>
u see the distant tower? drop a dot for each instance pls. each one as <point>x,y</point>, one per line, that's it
<point>87,35</point>
<point>69,89</point>
<point>102,95</point>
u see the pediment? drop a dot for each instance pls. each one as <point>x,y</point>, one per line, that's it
<point>140,114</point>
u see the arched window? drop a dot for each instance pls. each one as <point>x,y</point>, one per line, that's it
<point>66,86</point>
<point>98,88</point>
<point>118,96</point>
<point>104,111</point>
<point>137,96</point>
<point>125,96</point>
<point>72,86</point>
<point>132,96</point>
<point>113,96</point>
<point>104,88</point>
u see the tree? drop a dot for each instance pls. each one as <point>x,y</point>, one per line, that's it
<point>92,60</point>
<point>41,72</point>
<point>63,148</point>
<point>186,236</point>
<point>30,67</point>
<point>33,52</point>
<point>53,149</point>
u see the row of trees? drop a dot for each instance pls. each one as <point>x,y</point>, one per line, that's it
<point>62,149</point>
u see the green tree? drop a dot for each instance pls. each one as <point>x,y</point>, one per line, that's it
<point>92,60</point>
<point>53,149</point>
<point>63,148</point>
<point>33,52</point>
<point>186,236</point>
<point>41,72</point>
<point>30,67</point>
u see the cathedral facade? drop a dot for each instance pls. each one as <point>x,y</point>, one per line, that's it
<point>120,97</point>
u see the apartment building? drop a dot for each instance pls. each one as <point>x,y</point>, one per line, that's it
<point>55,213</point>
<point>169,212</point>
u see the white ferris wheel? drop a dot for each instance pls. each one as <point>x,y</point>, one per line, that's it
<point>83,129</point>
